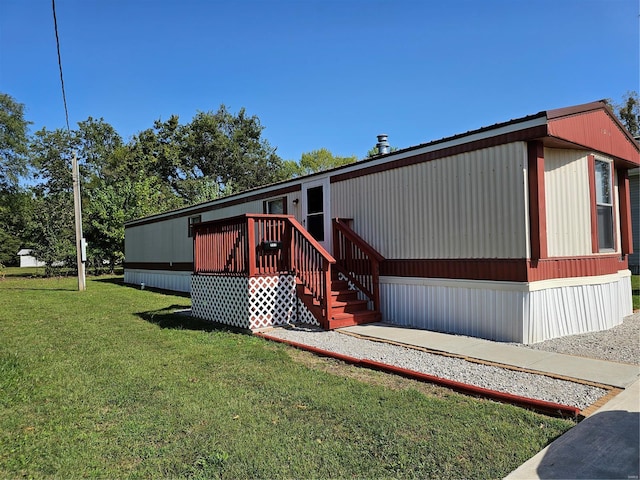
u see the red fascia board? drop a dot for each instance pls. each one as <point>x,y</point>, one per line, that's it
<point>575,109</point>
<point>597,130</point>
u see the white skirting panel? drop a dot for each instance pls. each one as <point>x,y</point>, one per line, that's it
<point>476,312</point>
<point>508,311</point>
<point>570,310</point>
<point>166,280</point>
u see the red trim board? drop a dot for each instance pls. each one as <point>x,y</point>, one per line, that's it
<point>493,269</point>
<point>537,201</point>
<point>626,237</point>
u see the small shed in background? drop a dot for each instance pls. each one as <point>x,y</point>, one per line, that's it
<point>28,260</point>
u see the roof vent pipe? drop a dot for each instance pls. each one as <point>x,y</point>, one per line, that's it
<point>383,144</point>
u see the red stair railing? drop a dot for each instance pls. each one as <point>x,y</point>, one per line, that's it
<point>311,264</point>
<point>358,261</point>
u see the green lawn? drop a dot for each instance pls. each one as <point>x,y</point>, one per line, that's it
<point>110,383</point>
<point>21,272</point>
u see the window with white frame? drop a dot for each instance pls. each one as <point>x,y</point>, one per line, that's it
<point>276,206</point>
<point>192,221</point>
<point>604,205</point>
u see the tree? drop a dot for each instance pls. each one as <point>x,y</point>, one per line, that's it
<point>214,155</point>
<point>321,160</point>
<point>53,232</point>
<point>16,215</point>
<point>312,162</point>
<point>97,141</point>
<point>629,112</point>
<point>229,150</point>
<point>116,198</point>
<point>13,141</point>
<point>291,169</point>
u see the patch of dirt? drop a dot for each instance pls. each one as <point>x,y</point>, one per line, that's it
<point>372,377</point>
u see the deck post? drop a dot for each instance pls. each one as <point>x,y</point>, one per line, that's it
<point>251,245</point>
<point>327,292</point>
<point>291,254</point>
<point>376,285</point>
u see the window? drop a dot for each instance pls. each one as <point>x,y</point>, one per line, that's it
<point>192,222</point>
<point>315,214</point>
<point>275,207</point>
<point>604,205</point>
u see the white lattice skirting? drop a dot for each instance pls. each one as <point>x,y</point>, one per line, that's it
<point>272,301</point>
<point>221,299</point>
<point>251,303</point>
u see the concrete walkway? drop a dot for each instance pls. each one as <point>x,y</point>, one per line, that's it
<point>619,375</point>
<point>604,445</point>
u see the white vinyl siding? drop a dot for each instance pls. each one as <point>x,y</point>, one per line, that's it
<point>568,203</point>
<point>165,241</point>
<point>471,205</point>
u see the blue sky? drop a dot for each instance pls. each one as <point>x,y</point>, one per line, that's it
<point>328,73</point>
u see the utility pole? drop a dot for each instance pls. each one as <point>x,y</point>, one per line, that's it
<point>77,205</point>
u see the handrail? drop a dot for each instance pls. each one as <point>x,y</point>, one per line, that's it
<point>357,239</point>
<point>311,264</point>
<point>357,260</point>
<point>326,255</point>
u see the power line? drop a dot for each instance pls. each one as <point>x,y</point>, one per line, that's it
<point>75,174</point>
<point>64,96</point>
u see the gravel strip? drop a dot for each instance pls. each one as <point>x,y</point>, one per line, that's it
<point>495,378</point>
<point>618,344</point>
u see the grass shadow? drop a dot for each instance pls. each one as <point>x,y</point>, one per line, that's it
<point>74,289</point>
<point>117,280</point>
<point>178,317</point>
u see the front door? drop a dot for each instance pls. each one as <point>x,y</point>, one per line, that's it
<point>315,210</point>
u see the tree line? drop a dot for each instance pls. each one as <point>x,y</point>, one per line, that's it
<point>167,166</point>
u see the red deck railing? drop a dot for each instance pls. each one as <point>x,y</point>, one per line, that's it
<point>221,247</point>
<point>254,245</point>
<point>357,260</point>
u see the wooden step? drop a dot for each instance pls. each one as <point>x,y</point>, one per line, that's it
<point>343,295</point>
<point>341,320</point>
<point>339,285</point>
<point>349,306</point>
<point>346,309</point>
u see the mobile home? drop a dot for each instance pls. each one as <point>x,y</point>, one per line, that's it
<point>519,231</point>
